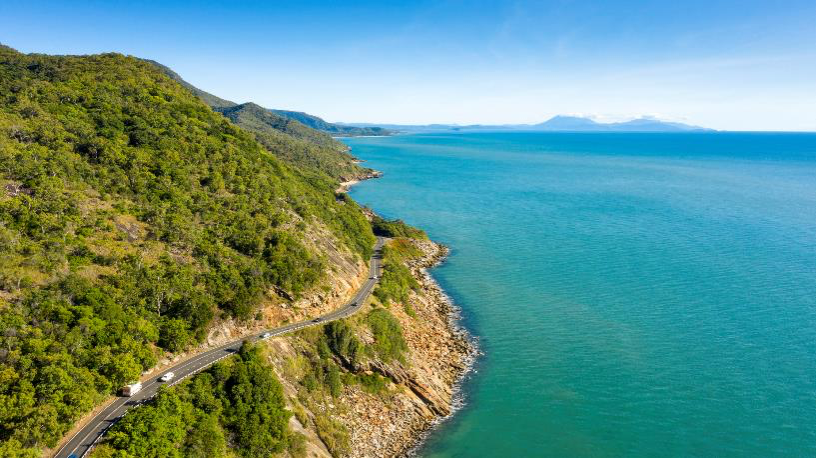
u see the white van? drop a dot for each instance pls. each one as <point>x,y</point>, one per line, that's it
<point>167,377</point>
<point>130,390</point>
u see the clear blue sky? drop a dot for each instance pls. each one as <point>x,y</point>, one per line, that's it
<point>743,65</point>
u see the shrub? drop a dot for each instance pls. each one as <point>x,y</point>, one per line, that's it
<point>340,339</point>
<point>396,228</point>
<point>334,434</point>
<point>396,282</point>
<point>372,383</point>
<point>389,343</point>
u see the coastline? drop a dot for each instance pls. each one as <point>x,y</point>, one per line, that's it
<point>427,388</point>
<point>443,354</point>
<point>453,315</point>
<point>345,186</point>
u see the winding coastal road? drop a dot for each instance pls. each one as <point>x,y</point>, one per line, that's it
<point>83,441</point>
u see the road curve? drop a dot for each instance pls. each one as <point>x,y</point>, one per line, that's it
<point>83,441</point>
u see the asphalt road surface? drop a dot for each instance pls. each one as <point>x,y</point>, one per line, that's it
<point>83,441</point>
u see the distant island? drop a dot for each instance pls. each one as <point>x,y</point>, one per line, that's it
<point>558,123</point>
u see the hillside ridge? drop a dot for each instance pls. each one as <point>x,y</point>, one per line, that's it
<point>134,219</point>
<point>306,119</point>
<point>558,123</point>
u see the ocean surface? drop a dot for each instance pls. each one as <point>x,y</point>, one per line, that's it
<point>633,294</point>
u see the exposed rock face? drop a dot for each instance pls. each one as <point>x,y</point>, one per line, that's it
<point>440,354</point>
<point>422,389</point>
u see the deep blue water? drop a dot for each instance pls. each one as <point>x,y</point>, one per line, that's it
<point>634,294</point>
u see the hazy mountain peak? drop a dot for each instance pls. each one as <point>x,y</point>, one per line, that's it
<point>565,122</point>
<point>642,124</point>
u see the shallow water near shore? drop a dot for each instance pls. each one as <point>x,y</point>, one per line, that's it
<point>634,294</point>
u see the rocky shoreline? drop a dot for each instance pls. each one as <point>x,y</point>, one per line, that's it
<point>422,391</point>
<point>442,353</point>
<point>467,342</point>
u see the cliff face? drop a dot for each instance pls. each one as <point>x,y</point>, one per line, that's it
<point>419,390</point>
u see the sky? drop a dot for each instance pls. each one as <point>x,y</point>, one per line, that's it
<point>732,65</point>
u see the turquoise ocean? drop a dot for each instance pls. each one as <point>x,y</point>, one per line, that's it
<point>633,294</point>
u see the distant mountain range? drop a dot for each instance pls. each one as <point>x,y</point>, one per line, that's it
<point>219,104</point>
<point>578,124</point>
<point>339,130</point>
<point>556,124</point>
<point>252,114</point>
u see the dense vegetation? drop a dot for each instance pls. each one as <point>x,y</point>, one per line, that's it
<point>200,415</point>
<point>313,145</point>
<point>131,216</point>
<point>235,406</point>
<point>396,282</point>
<point>256,118</point>
<point>388,341</point>
<point>335,129</point>
<point>338,346</point>
<point>306,147</point>
<point>332,358</point>
<point>211,100</point>
<point>396,228</point>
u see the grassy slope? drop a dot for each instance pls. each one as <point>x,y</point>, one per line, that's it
<point>131,215</point>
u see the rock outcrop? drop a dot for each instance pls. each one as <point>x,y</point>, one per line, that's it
<point>423,388</point>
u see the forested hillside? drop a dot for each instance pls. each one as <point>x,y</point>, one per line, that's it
<point>306,147</point>
<point>318,150</point>
<point>132,216</point>
<point>335,129</point>
<point>258,119</point>
<point>237,405</point>
<point>213,101</point>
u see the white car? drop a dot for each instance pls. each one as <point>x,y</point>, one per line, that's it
<point>167,377</point>
<point>266,335</point>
